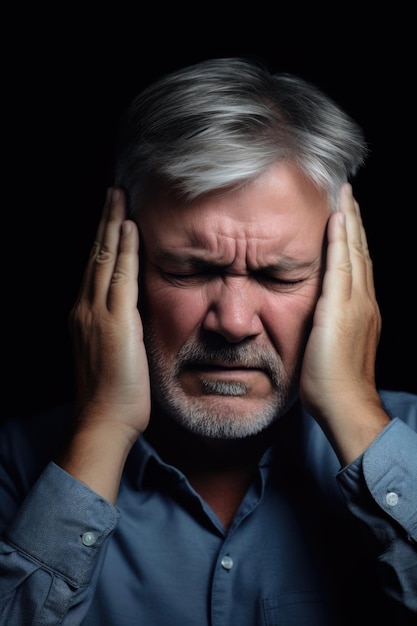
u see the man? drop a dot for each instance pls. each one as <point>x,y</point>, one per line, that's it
<point>228,458</point>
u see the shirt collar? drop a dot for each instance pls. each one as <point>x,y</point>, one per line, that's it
<point>144,462</point>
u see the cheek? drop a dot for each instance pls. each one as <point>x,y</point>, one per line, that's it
<point>173,314</point>
<point>287,318</point>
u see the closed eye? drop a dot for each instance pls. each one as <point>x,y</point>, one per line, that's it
<point>190,277</point>
<point>277,282</point>
<point>208,274</point>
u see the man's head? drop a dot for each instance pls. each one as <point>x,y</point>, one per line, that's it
<point>222,122</point>
<point>231,174</point>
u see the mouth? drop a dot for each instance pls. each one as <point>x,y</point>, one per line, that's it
<point>220,366</point>
<point>223,378</point>
<point>222,371</point>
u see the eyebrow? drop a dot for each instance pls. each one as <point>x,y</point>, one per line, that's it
<point>282,264</point>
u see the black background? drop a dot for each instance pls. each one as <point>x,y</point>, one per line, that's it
<point>67,76</point>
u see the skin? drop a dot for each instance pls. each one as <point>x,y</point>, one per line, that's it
<point>240,272</point>
<point>322,330</point>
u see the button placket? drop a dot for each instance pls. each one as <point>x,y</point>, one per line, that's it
<point>226,562</point>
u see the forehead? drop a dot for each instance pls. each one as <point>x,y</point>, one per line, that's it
<point>280,212</point>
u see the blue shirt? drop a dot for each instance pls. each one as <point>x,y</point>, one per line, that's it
<point>312,544</point>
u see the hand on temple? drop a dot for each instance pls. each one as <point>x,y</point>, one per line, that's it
<point>113,392</point>
<point>337,382</point>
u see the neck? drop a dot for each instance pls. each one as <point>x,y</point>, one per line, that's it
<point>219,470</point>
<point>188,451</point>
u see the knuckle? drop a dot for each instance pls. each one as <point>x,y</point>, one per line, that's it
<point>104,256</point>
<point>119,276</point>
<point>94,249</point>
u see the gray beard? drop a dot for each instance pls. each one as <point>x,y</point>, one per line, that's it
<point>214,416</point>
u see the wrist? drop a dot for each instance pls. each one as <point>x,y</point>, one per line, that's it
<point>96,454</point>
<point>352,425</point>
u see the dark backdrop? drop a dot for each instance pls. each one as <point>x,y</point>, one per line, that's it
<point>66,80</point>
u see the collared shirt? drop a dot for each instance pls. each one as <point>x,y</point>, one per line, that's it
<point>312,544</point>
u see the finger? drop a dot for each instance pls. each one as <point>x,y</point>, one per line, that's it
<point>104,217</point>
<point>368,260</point>
<point>337,280</point>
<point>85,288</point>
<point>100,266</point>
<point>362,275</point>
<point>123,290</point>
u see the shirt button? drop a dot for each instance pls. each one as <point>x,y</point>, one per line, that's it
<point>227,562</point>
<point>89,538</point>
<point>391,498</point>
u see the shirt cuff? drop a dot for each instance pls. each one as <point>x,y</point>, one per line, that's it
<point>63,525</point>
<point>389,467</point>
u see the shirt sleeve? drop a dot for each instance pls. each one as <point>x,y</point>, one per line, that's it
<point>50,555</point>
<point>380,489</point>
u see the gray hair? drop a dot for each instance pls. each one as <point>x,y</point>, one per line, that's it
<point>221,122</point>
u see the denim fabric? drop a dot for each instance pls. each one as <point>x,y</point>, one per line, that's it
<point>310,545</point>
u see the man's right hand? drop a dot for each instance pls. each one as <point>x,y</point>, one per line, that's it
<point>112,377</point>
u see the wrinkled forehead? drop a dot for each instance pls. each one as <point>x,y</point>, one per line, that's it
<point>279,210</point>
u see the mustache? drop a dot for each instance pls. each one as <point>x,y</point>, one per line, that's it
<point>215,351</point>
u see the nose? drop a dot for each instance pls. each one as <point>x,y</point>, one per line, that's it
<point>234,310</point>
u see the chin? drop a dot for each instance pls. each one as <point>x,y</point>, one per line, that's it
<point>221,418</point>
